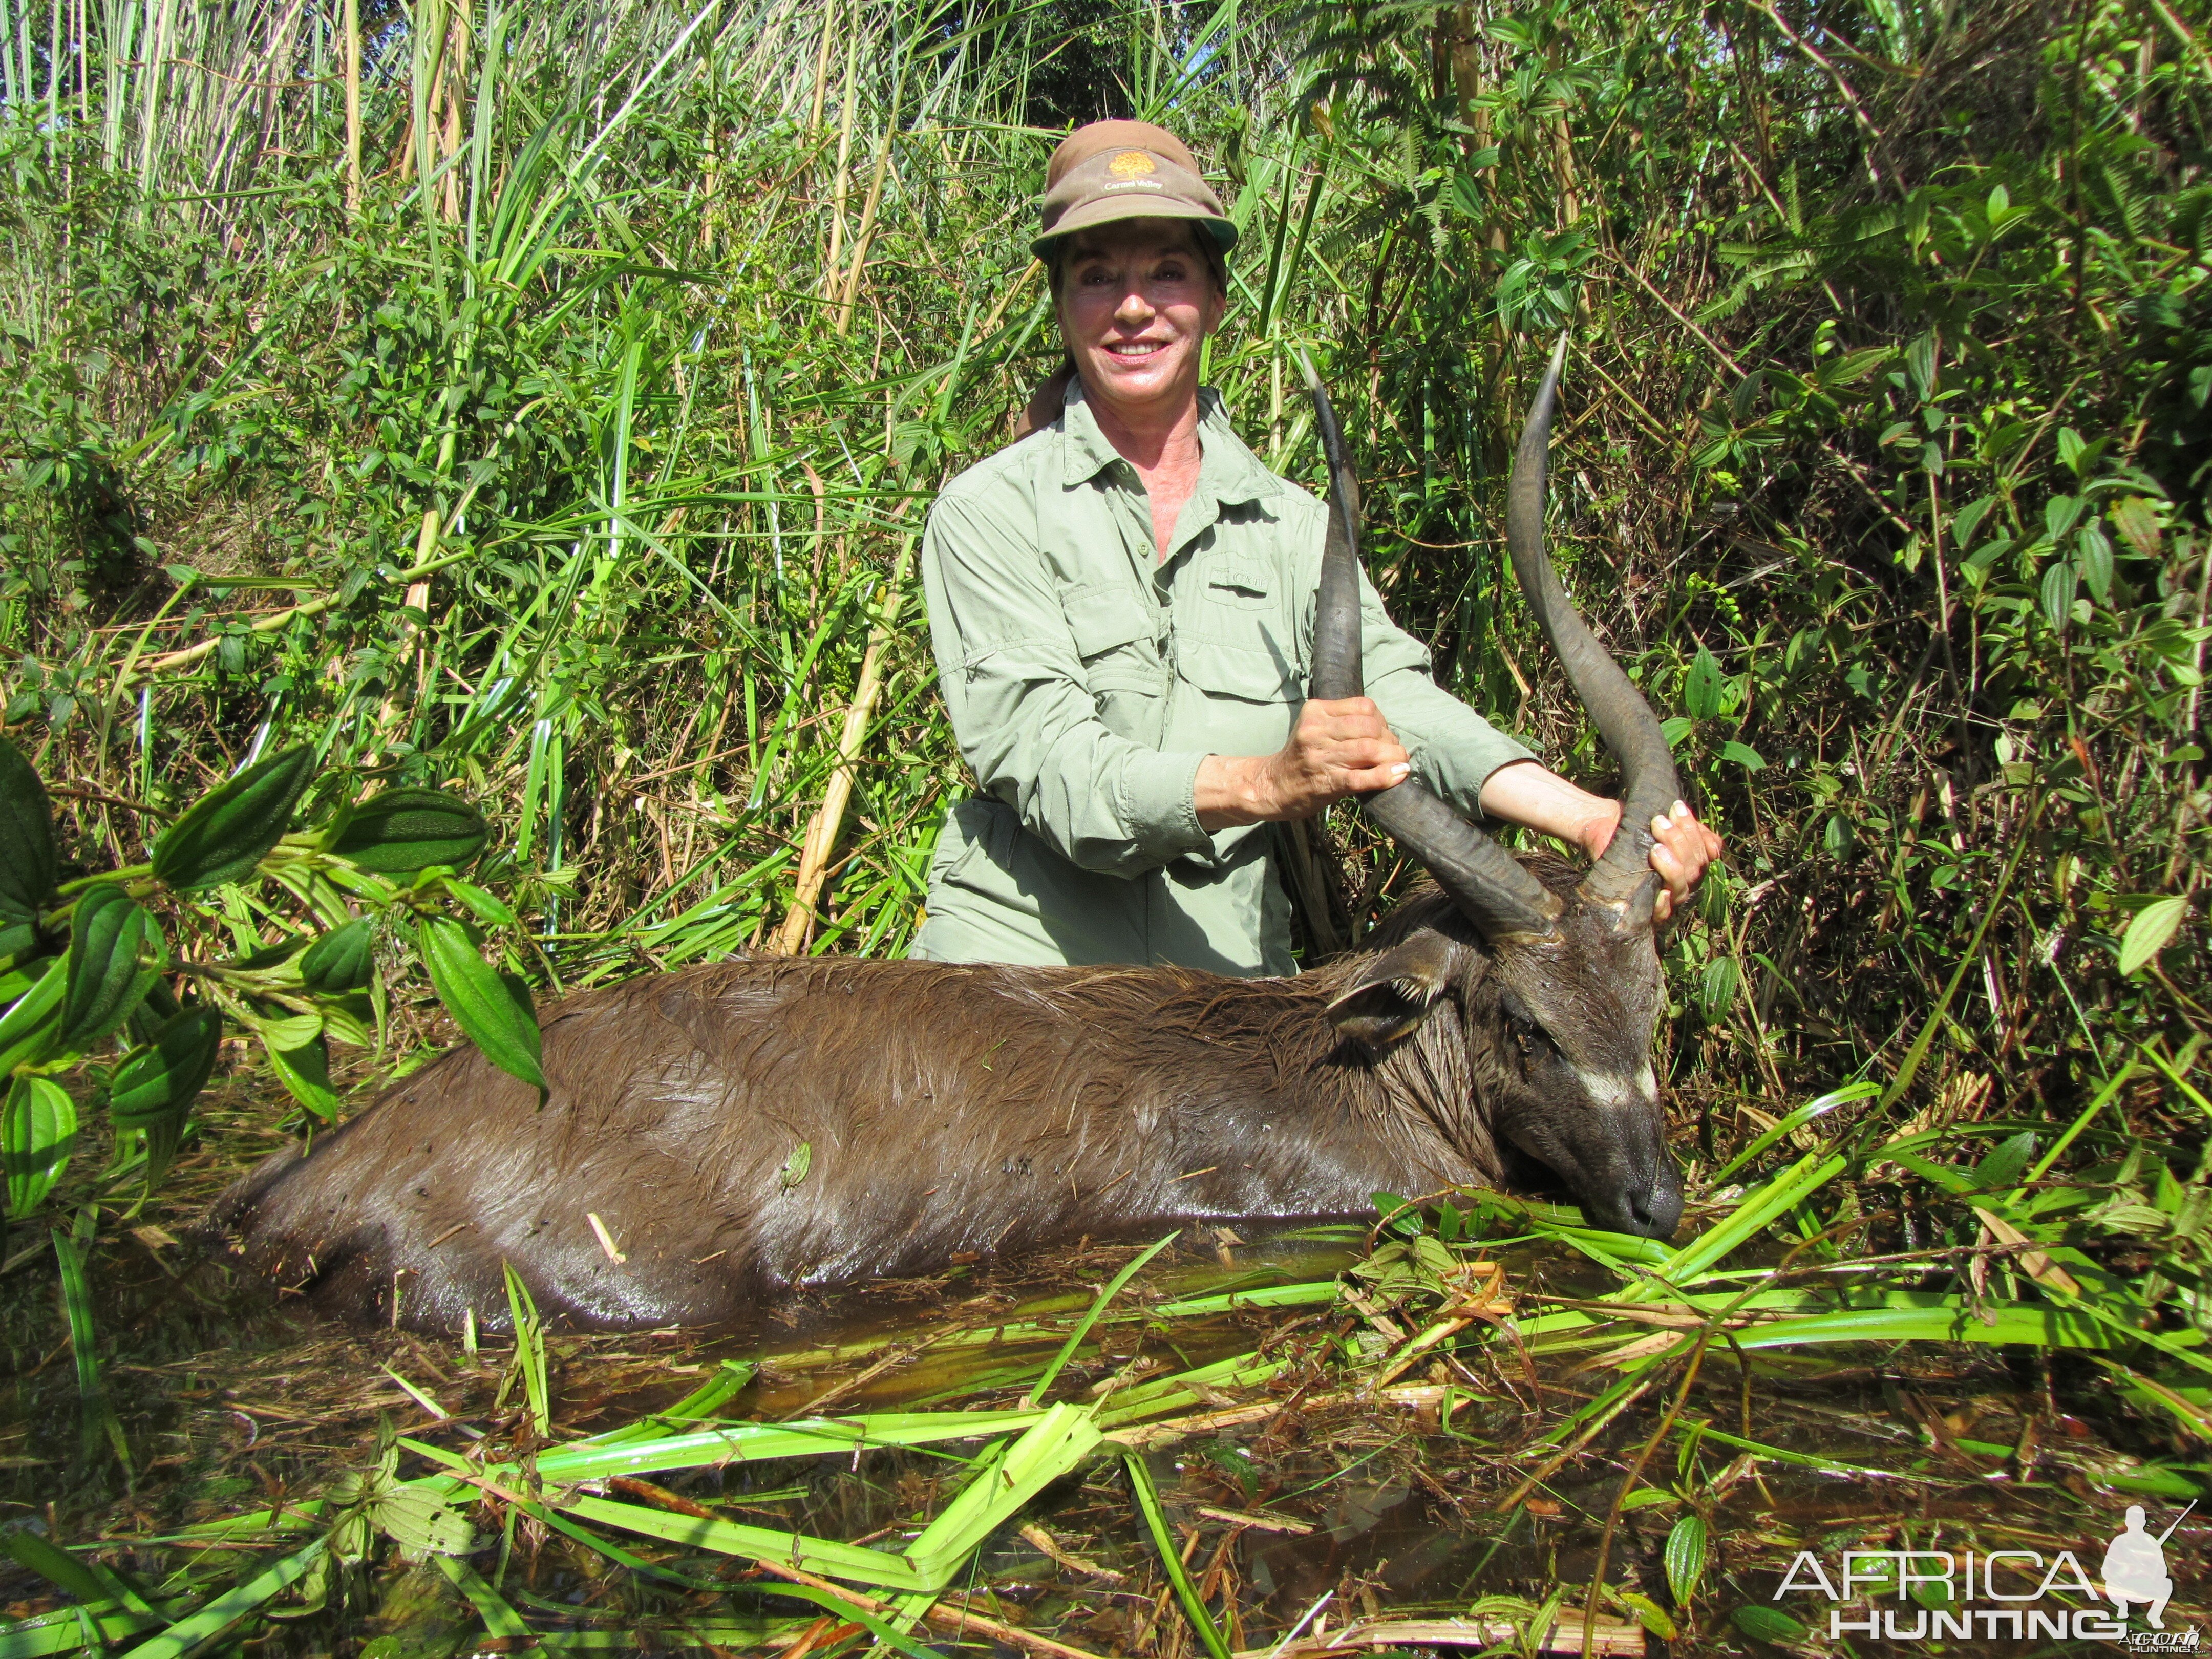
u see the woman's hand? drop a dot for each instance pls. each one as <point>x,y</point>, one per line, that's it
<point>1339,748</point>
<point>1525,792</point>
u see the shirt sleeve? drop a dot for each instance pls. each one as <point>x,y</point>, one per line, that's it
<point>1021,706</point>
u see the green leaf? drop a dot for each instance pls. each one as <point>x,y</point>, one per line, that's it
<point>2001,1168</point>
<point>796,1166</point>
<point>1650,1614</point>
<point>2093,557</point>
<point>2057,594</point>
<point>480,1004</point>
<point>156,1083</point>
<point>1685,1556</point>
<point>486,908</point>
<point>114,957</point>
<point>2150,932</point>
<point>341,960</point>
<point>1701,687</point>
<point>305,1070</point>
<point>28,1027</point>
<point>1769,1624</point>
<point>407,829</point>
<point>27,838</point>
<point>37,1131</point>
<point>1674,728</point>
<point>1717,987</point>
<point>58,1566</point>
<point>1743,754</point>
<point>230,831</point>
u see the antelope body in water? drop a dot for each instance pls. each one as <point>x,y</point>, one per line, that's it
<point>766,1122</point>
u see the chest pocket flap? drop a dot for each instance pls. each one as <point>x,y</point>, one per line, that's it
<point>1113,635</point>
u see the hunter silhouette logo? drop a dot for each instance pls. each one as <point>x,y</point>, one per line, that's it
<point>2134,1567</point>
<point>2001,1595</point>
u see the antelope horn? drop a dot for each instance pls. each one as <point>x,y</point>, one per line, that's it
<point>1623,720</point>
<point>1486,881</point>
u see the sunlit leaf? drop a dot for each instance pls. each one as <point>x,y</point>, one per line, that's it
<point>159,1080</point>
<point>2150,932</point>
<point>114,956</point>
<point>37,1131</point>
<point>1685,1556</point>
<point>230,831</point>
<point>1743,754</point>
<point>341,960</point>
<point>30,1027</point>
<point>1769,1624</point>
<point>1701,687</point>
<point>480,1003</point>
<point>406,829</point>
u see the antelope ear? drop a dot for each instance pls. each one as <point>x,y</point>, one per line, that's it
<point>1393,993</point>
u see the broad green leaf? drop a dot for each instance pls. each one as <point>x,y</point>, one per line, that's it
<point>1685,1556</point>
<point>2092,556</point>
<point>2058,594</point>
<point>1769,1624</point>
<point>486,908</point>
<point>1674,728</point>
<point>29,1027</point>
<point>27,838</point>
<point>158,1081</point>
<point>304,1069</point>
<point>2150,932</point>
<point>37,1131</point>
<point>230,830</point>
<point>1650,1614</point>
<point>481,1005</point>
<point>341,960</point>
<point>2136,520</point>
<point>404,829</point>
<point>1717,987</point>
<point>1743,754</point>
<point>1701,687</point>
<point>2002,1168</point>
<point>115,955</point>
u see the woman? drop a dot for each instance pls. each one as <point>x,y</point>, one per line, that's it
<point>1122,607</point>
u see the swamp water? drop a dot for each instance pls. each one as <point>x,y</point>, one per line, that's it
<point>1315,1481</point>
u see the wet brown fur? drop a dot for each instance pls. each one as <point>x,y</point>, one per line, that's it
<point>944,1108</point>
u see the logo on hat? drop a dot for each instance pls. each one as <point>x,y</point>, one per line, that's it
<point>1130,164</point>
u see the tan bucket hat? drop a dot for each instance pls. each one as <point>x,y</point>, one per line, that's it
<point>1126,170</point>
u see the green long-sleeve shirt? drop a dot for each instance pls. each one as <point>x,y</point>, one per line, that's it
<point>1087,678</point>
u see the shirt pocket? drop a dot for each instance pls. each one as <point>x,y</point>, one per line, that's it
<point>1257,675</point>
<point>1113,635</point>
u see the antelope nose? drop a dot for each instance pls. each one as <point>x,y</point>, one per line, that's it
<point>1656,1209</point>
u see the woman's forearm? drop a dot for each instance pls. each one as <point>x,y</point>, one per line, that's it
<point>1526,793</point>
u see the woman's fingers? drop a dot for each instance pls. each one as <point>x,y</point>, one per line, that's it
<point>1681,849</point>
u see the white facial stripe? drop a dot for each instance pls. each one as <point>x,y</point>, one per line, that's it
<point>1618,1091</point>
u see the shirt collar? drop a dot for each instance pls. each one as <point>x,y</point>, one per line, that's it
<point>1227,471</point>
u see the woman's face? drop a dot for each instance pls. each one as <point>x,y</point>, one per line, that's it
<point>1136,303</point>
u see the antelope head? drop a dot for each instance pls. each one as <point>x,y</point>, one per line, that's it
<point>1559,986</point>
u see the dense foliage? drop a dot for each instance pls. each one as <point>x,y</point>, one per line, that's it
<point>558,431</point>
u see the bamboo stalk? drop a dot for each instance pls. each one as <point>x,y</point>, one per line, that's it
<point>867,231</point>
<point>822,69</point>
<point>353,105</point>
<point>844,170</point>
<point>822,832</point>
